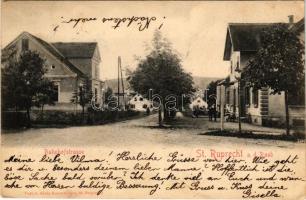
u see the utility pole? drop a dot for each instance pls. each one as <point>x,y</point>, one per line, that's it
<point>222,96</point>
<point>118,82</point>
<point>122,84</point>
<point>238,78</point>
<point>239,107</point>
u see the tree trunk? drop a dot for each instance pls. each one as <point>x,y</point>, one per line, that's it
<point>160,122</point>
<point>166,114</point>
<point>287,113</point>
<point>83,114</point>
<point>42,112</point>
<point>28,118</point>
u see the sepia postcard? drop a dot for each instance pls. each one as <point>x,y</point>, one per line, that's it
<point>153,99</point>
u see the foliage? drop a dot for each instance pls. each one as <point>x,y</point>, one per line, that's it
<point>45,94</point>
<point>211,90</point>
<point>161,70</point>
<point>23,81</point>
<point>278,64</point>
<point>83,95</point>
<point>108,94</point>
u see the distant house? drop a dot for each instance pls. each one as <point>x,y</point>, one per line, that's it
<point>68,64</point>
<point>198,103</point>
<point>242,42</point>
<point>125,97</point>
<point>139,103</point>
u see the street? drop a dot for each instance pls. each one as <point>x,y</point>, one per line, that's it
<point>142,132</point>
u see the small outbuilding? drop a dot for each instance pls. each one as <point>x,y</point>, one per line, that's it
<point>198,103</point>
<point>139,103</point>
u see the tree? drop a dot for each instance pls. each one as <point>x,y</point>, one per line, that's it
<point>278,64</point>
<point>22,81</point>
<point>44,95</point>
<point>83,95</point>
<point>211,90</point>
<point>108,94</point>
<point>162,72</point>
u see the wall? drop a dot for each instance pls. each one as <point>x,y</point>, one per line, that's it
<point>99,85</point>
<point>245,57</point>
<point>59,68</point>
<point>277,106</point>
<point>235,58</point>
<point>297,115</point>
<point>67,86</point>
<point>89,66</point>
<point>254,109</point>
<point>56,70</point>
<point>83,64</point>
<point>96,64</point>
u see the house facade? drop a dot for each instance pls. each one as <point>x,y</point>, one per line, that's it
<point>139,103</point>
<point>199,103</point>
<point>67,64</point>
<point>258,107</point>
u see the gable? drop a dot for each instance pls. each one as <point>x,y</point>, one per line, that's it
<point>84,55</point>
<point>228,47</point>
<point>246,37</point>
<point>243,37</point>
<point>47,51</point>
<point>299,26</point>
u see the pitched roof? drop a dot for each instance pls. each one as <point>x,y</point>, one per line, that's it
<point>57,54</point>
<point>243,37</point>
<point>299,26</point>
<point>76,49</point>
<point>246,37</point>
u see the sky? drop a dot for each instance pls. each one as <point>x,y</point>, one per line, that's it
<point>196,30</point>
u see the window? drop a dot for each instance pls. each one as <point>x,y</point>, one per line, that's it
<point>81,91</point>
<point>80,94</point>
<point>96,94</point>
<point>135,99</point>
<point>54,96</point>
<point>228,97</point>
<point>247,95</point>
<point>96,72</point>
<point>25,45</point>
<point>140,99</point>
<point>144,106</point>
<point>255,98</point>
<point>234,100</point>
<point>52,66</point>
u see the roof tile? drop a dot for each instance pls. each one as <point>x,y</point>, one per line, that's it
<point>76,49</point>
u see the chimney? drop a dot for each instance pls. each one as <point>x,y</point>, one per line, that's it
<point>291,19</point>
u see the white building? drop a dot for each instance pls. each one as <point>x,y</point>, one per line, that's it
<point>199,103</point>
<point>139,103</point>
